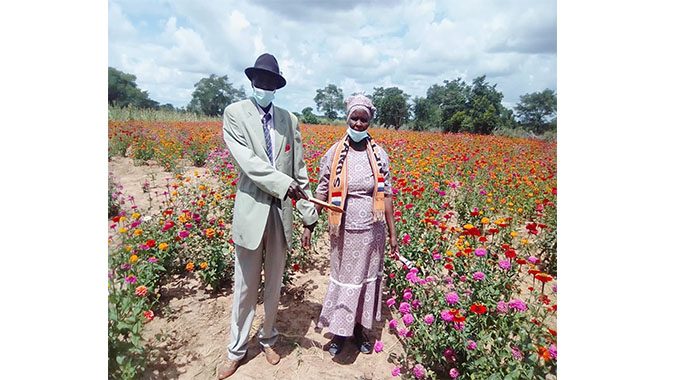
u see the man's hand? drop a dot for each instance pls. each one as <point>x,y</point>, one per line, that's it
<point>296,192</point>
<point>307,236</point>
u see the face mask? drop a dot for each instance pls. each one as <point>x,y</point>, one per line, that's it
<point>263,97</point>
<point>355,135</point>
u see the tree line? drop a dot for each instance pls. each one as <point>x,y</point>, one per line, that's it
<point>453,106</point>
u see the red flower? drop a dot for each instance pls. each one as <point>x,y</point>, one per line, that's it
<point>116,219</point>
<point>552,332</point>
<point>543,277</point>
<point>478,308</point>
<point>511,254</point>
<point>150,243</point>
<point>296,267</point>
<point>287,147</point>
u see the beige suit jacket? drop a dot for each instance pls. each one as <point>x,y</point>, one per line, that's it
<point>259,182</point>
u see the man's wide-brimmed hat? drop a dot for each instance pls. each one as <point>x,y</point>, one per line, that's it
<point>267,66</point>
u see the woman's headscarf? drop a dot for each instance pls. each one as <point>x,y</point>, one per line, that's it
<point>362,102</point>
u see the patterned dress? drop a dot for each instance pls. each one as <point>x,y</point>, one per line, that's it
<point>355,288</point>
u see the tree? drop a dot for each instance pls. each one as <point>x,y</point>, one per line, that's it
<point>212,94</point>
<point>426,114</point>
<point>537,111</point>
<point>308,117</point>
<point>123,91</point>
<point>391,105</point>
<point>329,100</point>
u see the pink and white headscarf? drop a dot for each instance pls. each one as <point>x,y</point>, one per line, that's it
<point>361,102</point>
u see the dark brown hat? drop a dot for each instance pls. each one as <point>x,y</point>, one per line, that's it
<point>266,67</point>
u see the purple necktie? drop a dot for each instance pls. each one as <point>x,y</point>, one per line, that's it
<point>267,137</point>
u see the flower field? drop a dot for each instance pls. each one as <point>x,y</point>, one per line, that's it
<point>473,295</point>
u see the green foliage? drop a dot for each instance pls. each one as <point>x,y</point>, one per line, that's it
<point>330,101</point>
<point>459,107</point>
<point>211,95</point>
<point>537,111</point>
<point>426,114</point>
<point>162,114</point>
<point>392,107</point>
<point>123,91</point>
<point>308,117</point>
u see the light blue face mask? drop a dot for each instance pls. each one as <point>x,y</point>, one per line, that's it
<point>263,97</point>
<point>356,135</point>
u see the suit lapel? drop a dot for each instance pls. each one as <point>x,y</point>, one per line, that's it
<point>254,122</point>
<point>280,128</point>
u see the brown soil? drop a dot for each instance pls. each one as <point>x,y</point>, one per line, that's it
<point>188,338</point>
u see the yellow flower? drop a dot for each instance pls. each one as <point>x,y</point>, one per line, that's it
<point>134,258</point>
<point>122,218</point>
<point>204,265</point>
<point>520,210</point>
<point>136,215</point>
<point>210,232</point>
<point>123,230</point>
<point>525,241</point>
<point>138,232</point>
<point>218,196</point>
<point>485,220</point>
<point>202,187</point>
<point>174,193</point>
<point>513,234</point>
<point>196,174</point>
<point>449,253</point>
<point>163,246</point>
<point>468,226</point>
<point>128,248</point>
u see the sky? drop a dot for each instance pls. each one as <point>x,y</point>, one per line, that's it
<point>354,44</point>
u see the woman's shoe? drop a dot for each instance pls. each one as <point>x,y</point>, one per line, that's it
<point>361,339</point>
<point>336,345</point>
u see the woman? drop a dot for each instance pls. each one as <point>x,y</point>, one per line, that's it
<point>355,176</point>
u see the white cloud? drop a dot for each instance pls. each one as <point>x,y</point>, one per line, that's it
<point>355,45</point>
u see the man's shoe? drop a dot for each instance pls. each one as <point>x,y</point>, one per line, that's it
<point>227,369</point>
<point>362,340</point>
<point>271,355</point>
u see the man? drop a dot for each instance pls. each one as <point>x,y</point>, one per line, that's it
<point>266,145</point>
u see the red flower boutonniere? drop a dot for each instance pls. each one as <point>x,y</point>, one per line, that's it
<point>287,147</point>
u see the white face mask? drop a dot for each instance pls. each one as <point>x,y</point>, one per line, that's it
<point>356,135</point>
<point>263,97</point>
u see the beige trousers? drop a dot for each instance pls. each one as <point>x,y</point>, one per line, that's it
<point>247,276</point>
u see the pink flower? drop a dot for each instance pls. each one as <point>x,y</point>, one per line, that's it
<point>396,371</point>
<point>518,305</point>
<point>391,302</point>
<point>450,356</point>
<point>532,259</point>
<point>471,344</point>
<point>516,353</point>
<point>393,324</point>
<point>183,234</point>
<point>408,295</point>
<point>131,279</point>
<point>402,332</point>
<point>153,259</point>
<point>436,256</point>
<point>452,297</point>
<point>419,371</point>
<point>480,252</point>
<point>406,240</point>
<point>478,276</point>
<point>408,319</point>
<point>447,315</point>
<point>453,373</point>
<point>429,319</point>
<point>404,307</point>
<point>504,264</point>
<point>141,291</point>
<point>458,326</point>
<point>378,346</point>
<point>553,351</point>
<point>502,307</point>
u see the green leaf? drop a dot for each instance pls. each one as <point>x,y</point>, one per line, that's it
<point>120,358</point>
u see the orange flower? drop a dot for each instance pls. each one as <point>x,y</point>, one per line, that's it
<point>210,233</point>
<point>204,265</point>
<point>163,246</point>
<point>141,290</point>
<point>190,266</point>
<point>134,258</point>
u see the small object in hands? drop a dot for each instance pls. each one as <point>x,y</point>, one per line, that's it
<point>329,206</point>
<point>406,262</point>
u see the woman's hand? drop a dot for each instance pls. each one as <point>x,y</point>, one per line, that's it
<point>394,244</point>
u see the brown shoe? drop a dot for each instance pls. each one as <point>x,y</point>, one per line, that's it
<point>271,355</point>
<point>227,369</point>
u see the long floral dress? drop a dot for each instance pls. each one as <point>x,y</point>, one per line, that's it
<point>355,288</point>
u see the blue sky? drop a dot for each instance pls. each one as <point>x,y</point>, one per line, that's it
<point>357,45</point>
